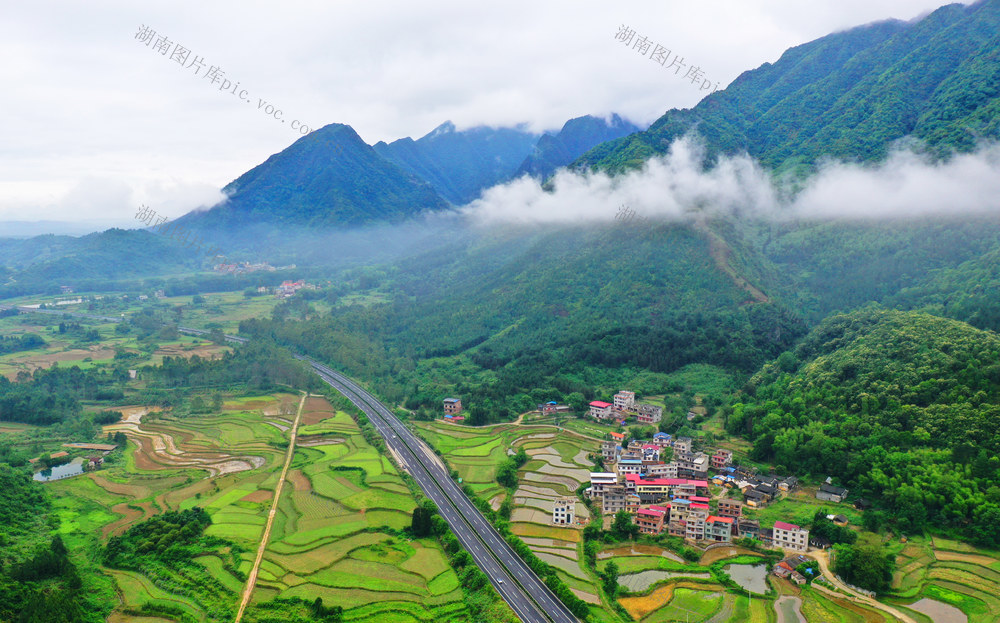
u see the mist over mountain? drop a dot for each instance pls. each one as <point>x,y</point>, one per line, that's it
<point>849,96</point>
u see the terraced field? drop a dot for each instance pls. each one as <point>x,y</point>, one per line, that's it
<point>558,465</point>
<point>336,534</point>
<point>936,572</point>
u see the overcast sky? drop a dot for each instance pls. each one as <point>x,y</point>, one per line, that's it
<point>95,122</point>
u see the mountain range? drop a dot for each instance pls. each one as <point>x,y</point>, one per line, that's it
<point>850,95</point>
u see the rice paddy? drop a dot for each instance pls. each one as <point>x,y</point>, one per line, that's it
<point>556,468</point>
<point>939,579</point>
<point>336,532</point>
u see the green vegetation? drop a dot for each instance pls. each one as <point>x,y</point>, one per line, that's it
<point>900,406</point>
<point>848,95</point>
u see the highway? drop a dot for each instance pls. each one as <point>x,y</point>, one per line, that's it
<point>527,595</point>
<point>520,587</point>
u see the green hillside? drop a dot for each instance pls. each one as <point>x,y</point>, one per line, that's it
<point>330,177</point>
<point>849,95</point>
<point>900,406</point>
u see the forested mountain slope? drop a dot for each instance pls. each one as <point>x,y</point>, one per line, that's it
<point>460,164</point>
<point>329,177</point>
<point>848,95</point>
<point>900,406</point>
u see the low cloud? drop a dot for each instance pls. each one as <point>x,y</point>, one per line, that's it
<point>677,186</point>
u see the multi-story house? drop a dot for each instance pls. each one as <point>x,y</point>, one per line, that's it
<point>749,528</point>
<point>649,414</point>
<point>663,470</point>
<point>790,536</point>
<point>617,498</point>
<point>627,467</point>
<point>649,521</point>
<point>563,511</point>
<point>696,519</point>
<point>719,529</point>
<point>682,444</point>
<point>730,508</point>
<point>624,401</point>
<point>610,450</point>
<point>661,439</point>
<point>600,482</point>
<point>722,458</point>
<point>691,465</point>
<point>600,410</point>
<point>452,406</point>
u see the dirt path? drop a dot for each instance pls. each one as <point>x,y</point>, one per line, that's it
<point>252,576</point>
<point>720,252</point>
<point>823,557</point>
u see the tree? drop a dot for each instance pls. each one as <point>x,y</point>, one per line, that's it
<point>421,523</point>
<point>622,527</point>
<point>865,564</point>
<point>609,579</point>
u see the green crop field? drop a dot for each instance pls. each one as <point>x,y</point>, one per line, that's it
<point>558,465</point>
<point>340,515</point>
<point>336,534</point>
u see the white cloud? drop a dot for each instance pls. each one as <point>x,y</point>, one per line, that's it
<point>677,186</point>
<point>82,98</point>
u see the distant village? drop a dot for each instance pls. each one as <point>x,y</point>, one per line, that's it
<point>672,497</point>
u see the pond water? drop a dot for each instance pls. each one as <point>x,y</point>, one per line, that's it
<point>752,577</point>
<point>637,582</point>
<point>939,611</point>
<point>72,468</point>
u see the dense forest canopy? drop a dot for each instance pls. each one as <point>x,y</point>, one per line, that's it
<point>901,406</point>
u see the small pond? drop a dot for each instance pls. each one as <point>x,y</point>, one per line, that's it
<point>637,582</point>
<point>752,577</point>
<point>66,470</point>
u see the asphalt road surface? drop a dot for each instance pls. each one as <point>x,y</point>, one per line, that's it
<point>527,595</point>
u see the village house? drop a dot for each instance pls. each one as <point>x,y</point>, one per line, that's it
<point>719,529</point>
<point>663,470</point>
<point>619,437</point>
<point>755,499</point>
<point>617,498</point>
<point>747,528</point>
<point>635,445</point>
<point>649,414</point>
<point>721,458</point>
<point>563,511</point>
<point>452,406</point>
<point>790,536</point>
<point>661,439</point>
<point>552,407</point>
<point>624,401</point>
<point>788,484</point>
<point>600,410</point>
<point>730,508</point>
<point>650,452</point>
<point>610,451</point>
<point>682,444</point>
<point>600,482</point>
<point>769,490</point>
<point>649,521</point>
<point>691,465</point>
<point>627,467</point>
<point>830,493</point>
